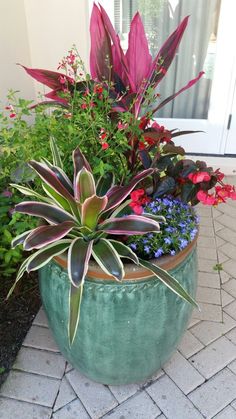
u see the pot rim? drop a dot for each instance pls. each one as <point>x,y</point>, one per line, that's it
<point>134,272</point>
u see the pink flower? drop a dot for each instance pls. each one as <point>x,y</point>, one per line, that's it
<point>138,209</point>
<point>205,198</point>
<point>62,79</point>
<point>84,106</point>
<point>199,177</point>
<point>121,126</point>
<point>12,115</point>
<point>9,108</point>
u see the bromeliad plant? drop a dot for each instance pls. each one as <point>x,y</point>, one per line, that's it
<point>81,220</point>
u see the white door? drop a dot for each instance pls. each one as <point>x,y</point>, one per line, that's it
<point>208,44</point>
<point>230,141</point>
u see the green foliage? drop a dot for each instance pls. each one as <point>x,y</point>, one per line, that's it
<point>11,224</point>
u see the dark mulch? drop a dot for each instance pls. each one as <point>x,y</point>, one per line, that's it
<point>16,316</point>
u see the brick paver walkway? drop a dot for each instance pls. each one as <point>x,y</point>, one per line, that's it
<point>198,382</point>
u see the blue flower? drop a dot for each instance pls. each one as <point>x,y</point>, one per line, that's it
<point>150,235</point>
<point>183,243</point>
<point>167,240</point>
<point>172,252</point>
<point>182,224</point>
<point>158,253</point>
<point>146,249</point>
<point>133,246</point>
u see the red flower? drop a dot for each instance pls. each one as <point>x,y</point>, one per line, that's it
<point>12,115</point>
<point>103,136</point>
<point>199,177</point>
<point>139,198</point>
<point>141,145</point>
<point>98,89</point>
<point>144,121</point>
<point>105,146</point>
<point>84,106</point>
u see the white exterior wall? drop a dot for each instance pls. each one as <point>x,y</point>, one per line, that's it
<point>38,33</point>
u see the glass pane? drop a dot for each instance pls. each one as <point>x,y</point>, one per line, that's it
<point>196,52</point>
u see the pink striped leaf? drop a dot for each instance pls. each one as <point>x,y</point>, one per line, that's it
<point>108,259</point>
<point>91,209</point>
<point>78,258</point>
<point>51,179</point>
<point>50,213</point>
<point>80,161</point>
<point>44,235</point>
<point>117,194</point>
<point>129,225</point>
<point>169,281</point>
<point>84,185</point>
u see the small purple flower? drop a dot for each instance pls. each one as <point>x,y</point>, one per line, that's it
<point>183,243</point>
<point>145,241</point>
<point>150,235</point>
<point>182,224</point>
<point>133,246</point>
<point>146,249</point>
<point>172,252</point>
<point>158,253</point>
<point>167,240</point>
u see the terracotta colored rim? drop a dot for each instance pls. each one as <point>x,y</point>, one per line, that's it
<point>132,271</point>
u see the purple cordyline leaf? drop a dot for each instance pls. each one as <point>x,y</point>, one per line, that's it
<point>84,185</point>
<point>178,133</point>
<point>100,52</point>
<point>78,258</point>
<point>79,162</point>
<point>117,194</point>
<point>49,103</point>
<point>119,60</point>
<point>91,209</point>
<point>170,98</point>
<point>138,57</point>
<point>49,78</point>
<point>167,53</point>
<point>55,97</point>
<point>51,179</point>
<point>129,225</point>
<point>44,235</point>
<point>50,213</point>
<point>108,259</point>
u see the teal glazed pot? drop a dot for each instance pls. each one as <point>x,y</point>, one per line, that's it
<point>127,330</point>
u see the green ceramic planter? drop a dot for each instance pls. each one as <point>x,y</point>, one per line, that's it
<point>127,330</point>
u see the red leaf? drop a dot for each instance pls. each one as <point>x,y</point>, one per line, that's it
<point>168,99</point>
<point>167,53</point>
<point>138,57</point>
<point>47,77</point>
<point>100,52</point>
